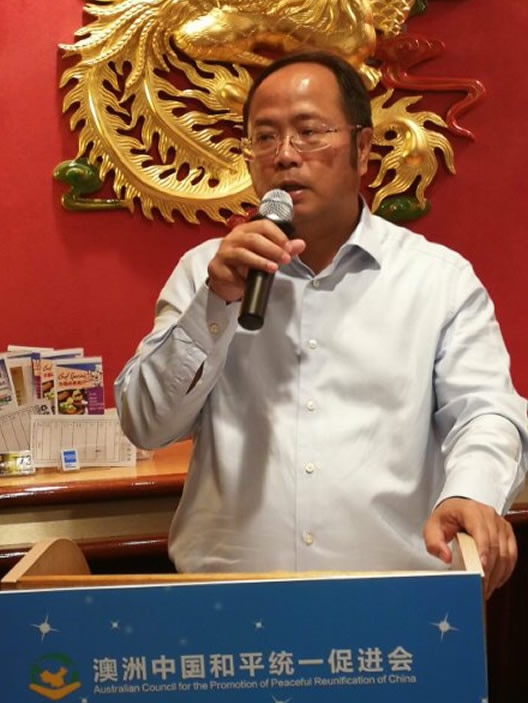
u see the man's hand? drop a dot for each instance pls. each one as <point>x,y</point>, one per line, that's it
<point>253,245</point>
<point>493,536</point>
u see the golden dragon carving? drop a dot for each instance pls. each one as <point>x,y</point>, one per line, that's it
<point>155,90</point>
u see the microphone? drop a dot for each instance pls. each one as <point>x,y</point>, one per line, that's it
<point>277,206</point>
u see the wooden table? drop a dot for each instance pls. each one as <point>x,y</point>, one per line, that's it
<point>116,514</point>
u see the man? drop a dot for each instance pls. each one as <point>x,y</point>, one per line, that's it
<point>372,417</point>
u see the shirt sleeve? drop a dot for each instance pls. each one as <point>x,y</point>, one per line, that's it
<point>480,417</point>
<point>162,389</point>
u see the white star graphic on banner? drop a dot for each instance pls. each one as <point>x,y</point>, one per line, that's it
<point>444,626</point>
<point>45,628</point>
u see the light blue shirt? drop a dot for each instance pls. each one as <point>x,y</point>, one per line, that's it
<point>374,390</point>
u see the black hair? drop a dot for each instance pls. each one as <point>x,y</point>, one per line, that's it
<point>354,95</point>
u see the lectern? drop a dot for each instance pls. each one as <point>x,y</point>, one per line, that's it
<point>301,637</point>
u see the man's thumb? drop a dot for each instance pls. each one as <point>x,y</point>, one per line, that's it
<point>435,541</point>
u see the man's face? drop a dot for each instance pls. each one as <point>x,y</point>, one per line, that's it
<point>323,184</point>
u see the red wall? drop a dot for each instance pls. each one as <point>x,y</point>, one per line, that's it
<point>91,279</point>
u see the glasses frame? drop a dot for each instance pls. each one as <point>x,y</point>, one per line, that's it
<point>246,145</point>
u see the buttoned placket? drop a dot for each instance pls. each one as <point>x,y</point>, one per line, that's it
<point>307,468</point>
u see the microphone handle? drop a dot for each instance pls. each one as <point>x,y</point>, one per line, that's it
<point>255,300</point>
<point>258,289</point>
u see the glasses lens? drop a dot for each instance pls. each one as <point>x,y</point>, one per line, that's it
<point>264,143</point>
<point>310,141</point>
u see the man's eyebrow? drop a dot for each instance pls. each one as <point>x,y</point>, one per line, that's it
<point>263,121</point>
<point>300,117</point>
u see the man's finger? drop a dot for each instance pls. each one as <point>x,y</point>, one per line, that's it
<point>435,541</point>
<point>506,557</point>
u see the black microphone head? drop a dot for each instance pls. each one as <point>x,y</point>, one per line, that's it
<point>276,205</point>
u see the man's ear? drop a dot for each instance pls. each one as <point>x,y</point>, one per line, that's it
<point>364,143</point>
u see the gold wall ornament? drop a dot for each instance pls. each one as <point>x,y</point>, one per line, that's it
<point>156,89</point>
<point>411,148</point>
<point>390,16</point>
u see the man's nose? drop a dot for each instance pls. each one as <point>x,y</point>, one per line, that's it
<point>286,151</point>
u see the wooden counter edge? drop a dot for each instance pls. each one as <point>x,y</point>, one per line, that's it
<point>164,475</point>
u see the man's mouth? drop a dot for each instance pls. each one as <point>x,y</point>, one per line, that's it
<point>291,187</point>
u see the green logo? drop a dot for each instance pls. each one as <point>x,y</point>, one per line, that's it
<point>54,676</point>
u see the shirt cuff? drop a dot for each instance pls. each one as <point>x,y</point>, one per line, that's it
<point>220,319</point>
<point>485,463</point>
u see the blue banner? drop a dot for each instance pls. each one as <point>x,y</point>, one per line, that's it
<point>359,640</point>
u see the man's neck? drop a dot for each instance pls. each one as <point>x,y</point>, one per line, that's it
<point>323,243</point>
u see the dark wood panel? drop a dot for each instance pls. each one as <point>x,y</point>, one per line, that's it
<point>507,628</point>
<point>142,554</point>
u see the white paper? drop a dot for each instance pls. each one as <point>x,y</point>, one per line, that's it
<point>15,426</point>
<point>98,439</point>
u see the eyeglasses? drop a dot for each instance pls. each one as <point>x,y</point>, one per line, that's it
<point>266,142</point>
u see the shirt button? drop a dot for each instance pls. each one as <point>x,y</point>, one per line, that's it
<point>316,283</point>
<point>308,538</point>
<point>310,405</point>
<point>309,468</point>
<point>214,328</point>
<point>312,343</point>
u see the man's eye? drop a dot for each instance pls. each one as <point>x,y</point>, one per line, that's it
<point>264,138</point>
<point>310,132</point>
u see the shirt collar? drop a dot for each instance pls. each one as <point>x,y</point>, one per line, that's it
<point>365,235</point>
